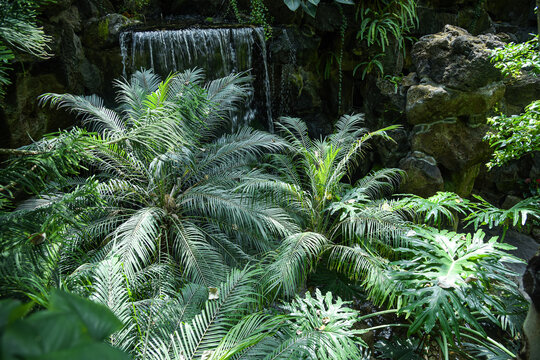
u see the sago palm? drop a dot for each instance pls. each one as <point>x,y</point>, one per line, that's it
<point>168,182</point>
<point>225,322</point>
<point>353,225</point>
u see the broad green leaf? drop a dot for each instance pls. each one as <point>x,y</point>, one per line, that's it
<point>292,4</point>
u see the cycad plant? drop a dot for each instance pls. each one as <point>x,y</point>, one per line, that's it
<point>483,213</point>
<point>166,181</point>
<point>352,225</point>
<point>225,322</point>
<point>439,210</point>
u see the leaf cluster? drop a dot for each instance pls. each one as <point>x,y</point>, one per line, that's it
<point>454,275</point>
<point>71,327</point>
<point>19,32</point>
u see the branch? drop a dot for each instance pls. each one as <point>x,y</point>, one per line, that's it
<point>19,152</point>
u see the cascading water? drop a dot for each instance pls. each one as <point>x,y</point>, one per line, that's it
<point>219,52</point>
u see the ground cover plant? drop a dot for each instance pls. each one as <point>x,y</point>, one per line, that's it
<point>202,242</point>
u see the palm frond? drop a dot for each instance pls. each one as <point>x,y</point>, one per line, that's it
<point>130,94</point>
<point>206,331</point>
<point>201,262</point>
<point>136,241</point>
<point>109,287</point>
<point>91,111</point>
<point>294,259</point>
<point>296,133</point>
<point>359,263</point>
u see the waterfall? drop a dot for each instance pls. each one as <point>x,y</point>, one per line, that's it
<point>219,52</point>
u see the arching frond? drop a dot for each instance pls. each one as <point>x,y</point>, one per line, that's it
<point>296,133</point>
<point>91,110</point>
<point>130,94</point>
<point>295,258</point>
<point>185,78</point>
<point>379,183</point>
<point>367,223</point>
<point>205,332</point>
<point>201,262</point>
<point>137,240</point>
<point>226,206</point>
<point>347,130</point>
<point>160,317</point>
<point>249,331</point>
<point>109,287</point>
<point>362,264</point>
<point>228,91</point>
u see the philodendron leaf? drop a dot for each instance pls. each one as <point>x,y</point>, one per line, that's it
<point>292,4</point>
<point>310,9</point>
<point>72,328</point>
<point>346,2</point>
<point>99,321</point>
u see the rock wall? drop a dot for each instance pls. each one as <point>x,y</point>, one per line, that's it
<point>457,89</point>
<point>443,87</point>
<point>85,58</point>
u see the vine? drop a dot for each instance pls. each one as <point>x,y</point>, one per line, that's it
<point>258,15</point>
<point>234,6</point>
<point>343,29</point>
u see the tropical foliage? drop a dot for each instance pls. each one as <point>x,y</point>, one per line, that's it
<point>164,186</point>
<point>72,327</point>
<point>339,219</point>
<point>438,210</point>
<point>513,59</point>
<point>455,277</point>
<point>514,136</point>
<point>200,240</point>
<point>310,6</point>
<point>483,213</point>
<point>19,32</point>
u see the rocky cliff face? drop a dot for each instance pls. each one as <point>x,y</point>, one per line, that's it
<point>85,58</point>
<point>457,89</point>
<point>443,87</point>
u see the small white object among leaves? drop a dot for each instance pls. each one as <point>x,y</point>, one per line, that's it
<point>213,293</point>
<point>206,355</point>
<point>410,233</point>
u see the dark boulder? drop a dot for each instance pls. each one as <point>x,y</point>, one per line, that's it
<point>456,59</point>
<point>424,178</point>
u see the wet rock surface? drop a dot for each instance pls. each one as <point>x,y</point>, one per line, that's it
<point>456,89</point>
<point>454,144</point>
